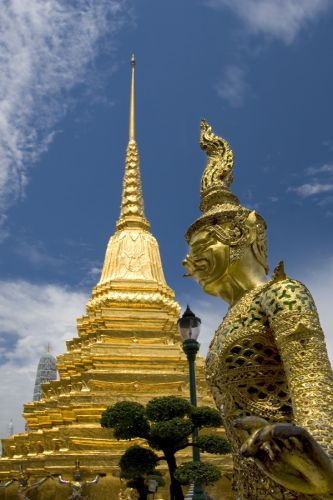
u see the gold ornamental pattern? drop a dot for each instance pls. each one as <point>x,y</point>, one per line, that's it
<point>257,364</point>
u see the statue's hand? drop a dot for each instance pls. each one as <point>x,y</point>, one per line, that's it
<point>288,454</point>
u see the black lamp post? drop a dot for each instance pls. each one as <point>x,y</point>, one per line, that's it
<point>189,329</point>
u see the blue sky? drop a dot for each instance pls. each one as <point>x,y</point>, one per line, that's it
<point>259,71</point>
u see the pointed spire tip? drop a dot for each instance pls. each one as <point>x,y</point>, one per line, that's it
<point>132,103</point>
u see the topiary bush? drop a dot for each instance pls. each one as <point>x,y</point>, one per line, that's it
<point>197,473</point>
<point>166,423</point>
<point>168,434</point>
<point>213,444</point>
<point>137,461</point>
<point>167,408</point>
<point>128,420</point>
<point>204,416</point>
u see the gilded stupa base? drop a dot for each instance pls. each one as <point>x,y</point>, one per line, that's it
<point>98,370</point>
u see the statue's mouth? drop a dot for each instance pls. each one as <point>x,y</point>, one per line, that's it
<point>199,268</point>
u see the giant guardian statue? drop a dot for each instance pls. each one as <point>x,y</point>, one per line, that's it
<point>267,365</point>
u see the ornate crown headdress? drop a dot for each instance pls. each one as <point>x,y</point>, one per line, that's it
<point>221,209</point>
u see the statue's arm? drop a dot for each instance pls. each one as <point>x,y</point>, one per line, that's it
<point>63,481</point>
<point>94,481</point>
<point>299,456</point>
<point>293,318</point>
<point>4,485</point>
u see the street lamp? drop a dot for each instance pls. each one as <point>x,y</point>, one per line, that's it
<point>189,329</point>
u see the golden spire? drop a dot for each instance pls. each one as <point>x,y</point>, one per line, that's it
<point>132,207</point>
<point>132,103</point>
<point>132,274</point>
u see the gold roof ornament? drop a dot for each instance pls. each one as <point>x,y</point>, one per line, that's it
<point>221,209</point>
<point>132,206</point>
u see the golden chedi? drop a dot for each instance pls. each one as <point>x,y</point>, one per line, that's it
<point>267,365</point>
<point>128,348</point>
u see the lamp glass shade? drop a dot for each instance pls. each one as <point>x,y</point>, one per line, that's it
<point>189,325</point>
<point>152,485</point>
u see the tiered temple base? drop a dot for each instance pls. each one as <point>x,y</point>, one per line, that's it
<point>105,364</point>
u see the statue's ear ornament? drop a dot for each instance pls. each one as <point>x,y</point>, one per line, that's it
<point>232,224</point>
<point>234,232</point>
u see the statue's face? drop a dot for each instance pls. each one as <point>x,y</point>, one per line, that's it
<point>207,261</point>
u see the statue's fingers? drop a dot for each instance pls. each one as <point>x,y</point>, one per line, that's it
<point>296,443</point>
<point>253,447</point>
<point>264,434</point>
<point>276,447</point>
<point>285,436</point>
<point>268,448</point>
<point>250,447</point>
<point>281,432</point>
<point>287,431</point>
<point>284,443</point>
<point>249,423</point>
<point>304,438</point>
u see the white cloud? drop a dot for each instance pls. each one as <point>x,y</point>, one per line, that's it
<point>95,271</point>
<point>314,187</point>
<point>279,19</point>
<point>232,86</point>
<point>35,254</point>
<point>31,315</point>
<point>306,190</point>
<point>46,48</point>
<point>327,168</point>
